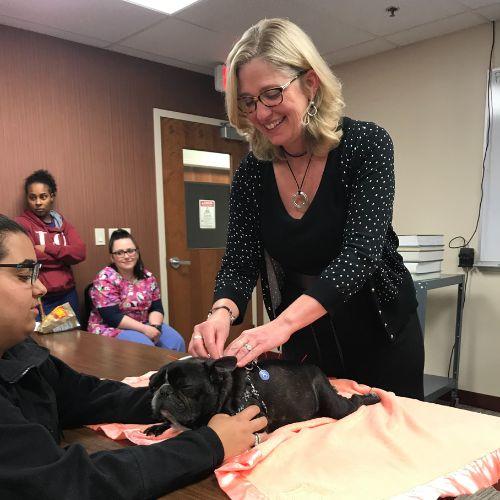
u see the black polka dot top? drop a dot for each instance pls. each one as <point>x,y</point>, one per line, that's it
<point>368,257</point>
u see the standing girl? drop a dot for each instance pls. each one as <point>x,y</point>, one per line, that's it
<point>58,246</point>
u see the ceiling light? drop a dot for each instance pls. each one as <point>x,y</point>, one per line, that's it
<point>164,6</point>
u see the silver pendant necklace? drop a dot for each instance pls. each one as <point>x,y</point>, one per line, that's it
<point>299,199</point>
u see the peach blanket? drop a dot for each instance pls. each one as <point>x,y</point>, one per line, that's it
<point>399,448</point>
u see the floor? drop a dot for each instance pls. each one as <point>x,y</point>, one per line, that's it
<point>479,410</point>
<point>470,408</point>
<point>486,494</point>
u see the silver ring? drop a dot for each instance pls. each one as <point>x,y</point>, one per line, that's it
<point>248,347</point>
<point>257,438</point>
<point>197,336</point>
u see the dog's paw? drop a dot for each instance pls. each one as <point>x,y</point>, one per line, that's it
<point>157,430</point>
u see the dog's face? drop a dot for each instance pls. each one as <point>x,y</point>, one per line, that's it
<point>187,392</point>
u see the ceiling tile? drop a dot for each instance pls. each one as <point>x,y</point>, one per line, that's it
<point>474,4</point>
<point>371,15</point>
<point>437,28</point>
<point>48,30</point>
<point>491,12</point>
<point>237,15</point>
<point>109,20</point>
<point>365,49</point>
<point>327,32</point>
<point>162,59</point>
<point>183,41</point>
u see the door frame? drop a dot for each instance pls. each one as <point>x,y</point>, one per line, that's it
<point>158,114</point>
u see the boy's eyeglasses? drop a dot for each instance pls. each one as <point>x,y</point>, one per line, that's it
<point>122,253</point>
<point>271,97</point>
<point>33,266</point>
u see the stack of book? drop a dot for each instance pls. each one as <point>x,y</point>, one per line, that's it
<point>422,253</point>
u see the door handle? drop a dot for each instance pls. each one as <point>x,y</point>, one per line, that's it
<point>175,262</point>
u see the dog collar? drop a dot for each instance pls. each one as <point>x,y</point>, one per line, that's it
<point>250,390</point>
<point>263,374</point>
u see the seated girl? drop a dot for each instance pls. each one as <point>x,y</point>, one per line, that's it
<point>126,299</point>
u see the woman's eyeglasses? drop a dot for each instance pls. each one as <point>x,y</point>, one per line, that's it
<point>34,267</point>
<point>271,97</point>
<point>122,253</point>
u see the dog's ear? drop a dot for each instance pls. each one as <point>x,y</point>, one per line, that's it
<point>222,366</point>
<point>225,364</point>
<point>158,379</point>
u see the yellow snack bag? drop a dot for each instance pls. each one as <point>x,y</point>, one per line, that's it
<point>60,319</point>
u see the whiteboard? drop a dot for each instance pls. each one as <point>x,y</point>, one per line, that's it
<point>489,236</point>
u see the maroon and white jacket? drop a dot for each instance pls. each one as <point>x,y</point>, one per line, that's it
<point>63,248</point>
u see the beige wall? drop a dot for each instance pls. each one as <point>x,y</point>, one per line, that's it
<point>430,96</point>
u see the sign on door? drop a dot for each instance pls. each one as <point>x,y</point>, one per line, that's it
<point>207,214</point>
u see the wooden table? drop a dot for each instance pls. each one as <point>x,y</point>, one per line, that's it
<point>116,359</point>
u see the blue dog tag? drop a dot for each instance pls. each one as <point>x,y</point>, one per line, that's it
<point>264,374</point>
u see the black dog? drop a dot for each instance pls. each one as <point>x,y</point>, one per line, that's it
<point>189,392</point>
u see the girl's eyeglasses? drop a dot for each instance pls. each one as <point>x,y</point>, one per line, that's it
<point>34,267</point>
<point>122,253</point>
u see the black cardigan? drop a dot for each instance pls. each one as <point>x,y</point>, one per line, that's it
<point>40,396</point>
<point>369,249</point>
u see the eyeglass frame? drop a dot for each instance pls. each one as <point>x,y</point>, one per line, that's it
<point>128,251</point>
<point>34,266</point>
<point>281,88</point>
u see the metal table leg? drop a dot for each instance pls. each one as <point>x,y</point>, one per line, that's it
<point>458,336</point>
<point>421,293</point>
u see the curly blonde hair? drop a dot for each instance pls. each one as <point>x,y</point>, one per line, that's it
<point>284,45</point>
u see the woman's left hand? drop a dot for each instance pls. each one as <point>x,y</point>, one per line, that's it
<point>252,343</point>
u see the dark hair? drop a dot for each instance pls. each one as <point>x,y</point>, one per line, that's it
<point>43,177</point>
<point>8,226</point>
<point>121,234</point>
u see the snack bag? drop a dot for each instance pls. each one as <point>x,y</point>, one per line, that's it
<point>60,319</point>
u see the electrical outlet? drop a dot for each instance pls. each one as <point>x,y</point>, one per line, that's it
<point>100,236</point>
<point>466,257</point>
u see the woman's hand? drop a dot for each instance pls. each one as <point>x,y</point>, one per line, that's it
<point>209,337</point>
<point>151,333</point>
<point>252,343</point>
<point>237,433</point>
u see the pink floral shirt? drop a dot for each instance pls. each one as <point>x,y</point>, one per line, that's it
<point>112,289</point>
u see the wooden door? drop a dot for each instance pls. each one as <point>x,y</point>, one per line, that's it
<point>190,287</point>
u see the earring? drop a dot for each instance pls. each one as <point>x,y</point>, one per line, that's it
<point>311,112</point>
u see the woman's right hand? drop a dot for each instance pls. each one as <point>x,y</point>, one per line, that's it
<point>209,337</point>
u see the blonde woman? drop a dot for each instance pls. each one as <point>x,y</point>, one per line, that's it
<point>311,212</point>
